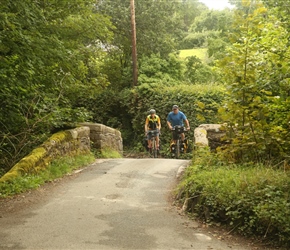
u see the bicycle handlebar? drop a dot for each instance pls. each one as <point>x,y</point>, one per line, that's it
<point>179,129</point>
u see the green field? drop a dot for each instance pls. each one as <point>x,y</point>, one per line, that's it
<point>201,53</point>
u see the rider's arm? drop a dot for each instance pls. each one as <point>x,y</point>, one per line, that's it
<point>187,124</point>
<point>169,125</point>
<point>184,118</point>
<point>146,125</point>
<point>159,124</point>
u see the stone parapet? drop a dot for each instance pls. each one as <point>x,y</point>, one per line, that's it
<point>64,143</point>
<point>209,135</point>
<point>103,137</point>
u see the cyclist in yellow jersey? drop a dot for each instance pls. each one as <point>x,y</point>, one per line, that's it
<point>152,123</point>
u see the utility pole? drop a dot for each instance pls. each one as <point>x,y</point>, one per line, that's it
<point>134,49</point>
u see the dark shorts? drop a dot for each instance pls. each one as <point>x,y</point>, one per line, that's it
<point>151,133</point>
<point>177,131</point>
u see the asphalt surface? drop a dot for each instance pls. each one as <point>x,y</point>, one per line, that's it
<point>111,204</point>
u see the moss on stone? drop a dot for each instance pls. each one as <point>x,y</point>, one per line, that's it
<point>29,164</point>
<point>64,143</point>
<point>39,158</point>
<point>59,137</point>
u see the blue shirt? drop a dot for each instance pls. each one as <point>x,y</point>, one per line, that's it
<point>176,119</point>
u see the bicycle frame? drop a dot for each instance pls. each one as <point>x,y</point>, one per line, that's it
<point>152,135</point>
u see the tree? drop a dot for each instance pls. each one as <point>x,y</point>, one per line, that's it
<point>49,50</point>
<point>189,10</point>
<point>210,29</point>
<point>219,20</point>
<point>255,70</point>
<point>158,29</point>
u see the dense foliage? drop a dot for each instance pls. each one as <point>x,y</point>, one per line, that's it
<point>251,200</point>
<point>48,52</point>
<point>252,197</point>
<point>256,68</point>
<point>128,109</point>
<point>56,57</point>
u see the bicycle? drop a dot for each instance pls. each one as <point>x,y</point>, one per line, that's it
<point>152,134</point>
<point>177,147</point>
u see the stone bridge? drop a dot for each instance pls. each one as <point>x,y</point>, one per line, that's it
<point>65,143</point>
<point>97,136</point>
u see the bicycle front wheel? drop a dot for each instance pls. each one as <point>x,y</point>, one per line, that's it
<point>154,148</point>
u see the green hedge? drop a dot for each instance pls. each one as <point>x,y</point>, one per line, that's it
<point>253,200</point>
<point>128,109</point>
<point>199,102</point>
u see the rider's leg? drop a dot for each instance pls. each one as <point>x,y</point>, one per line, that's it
<point>184,142</point>
<point>172,145</point>
<point>149,143</point>
<point>182,137</point>
<point>157,142</point>
<point>173,142</point>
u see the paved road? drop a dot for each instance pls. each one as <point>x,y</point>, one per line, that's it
<point>112,204</point>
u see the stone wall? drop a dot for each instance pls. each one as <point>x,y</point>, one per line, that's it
<point>64,143</point>
<point>209,135</point>
<point>103,137</point>
<point>69,142</point>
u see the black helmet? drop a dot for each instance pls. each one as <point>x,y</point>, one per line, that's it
<point>152,111</point>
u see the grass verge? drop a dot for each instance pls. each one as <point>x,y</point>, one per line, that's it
<point>56,169</point>
<point>250,200</point>
<point>107,153</point>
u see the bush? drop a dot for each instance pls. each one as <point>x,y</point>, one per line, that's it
<point>249,199</point>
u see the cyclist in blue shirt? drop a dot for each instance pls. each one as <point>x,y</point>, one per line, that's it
<point>176,117</point>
